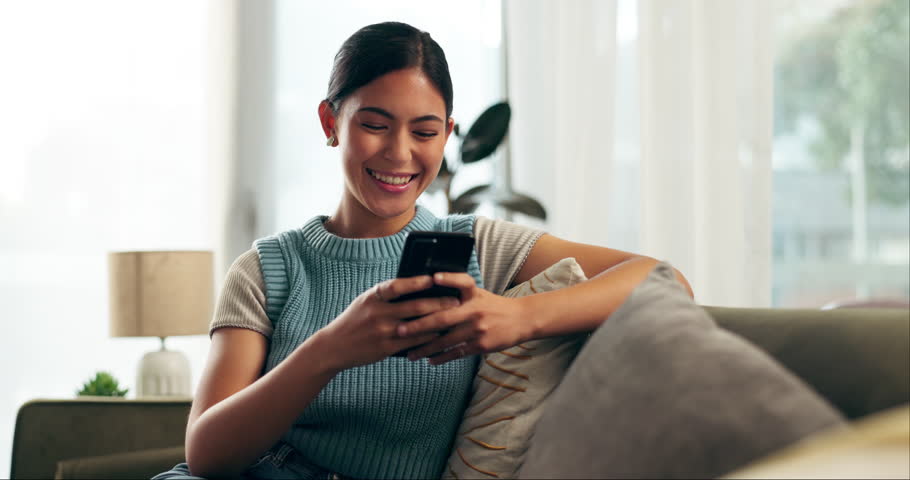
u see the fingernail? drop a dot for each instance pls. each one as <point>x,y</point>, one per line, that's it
<point>402,330</point>
<point>439,276</point>
<point>452,302</point>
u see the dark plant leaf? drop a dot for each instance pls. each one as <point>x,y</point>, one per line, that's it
<point>521,203</point>
<point>487,133</point>
<point>468,202</point>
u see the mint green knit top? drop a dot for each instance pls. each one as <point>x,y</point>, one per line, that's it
<point>390,419</point>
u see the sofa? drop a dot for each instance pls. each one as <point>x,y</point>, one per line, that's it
<point>857,359</point>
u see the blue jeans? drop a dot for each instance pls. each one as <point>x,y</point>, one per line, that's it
<point>282,462</point>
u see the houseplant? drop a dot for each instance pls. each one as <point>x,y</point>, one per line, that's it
<point>480,142</point>
<point>103,385</point>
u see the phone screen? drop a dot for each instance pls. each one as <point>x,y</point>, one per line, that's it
<point>426,253</point>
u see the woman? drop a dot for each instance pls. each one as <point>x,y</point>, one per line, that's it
<point>300,364</point>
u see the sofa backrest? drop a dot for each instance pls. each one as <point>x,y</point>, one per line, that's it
<point>858,359</point>
<point>48,431</point>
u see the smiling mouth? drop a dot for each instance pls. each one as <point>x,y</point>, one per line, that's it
<point>391,179</point>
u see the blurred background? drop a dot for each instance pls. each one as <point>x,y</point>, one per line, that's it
<point>762,147</point>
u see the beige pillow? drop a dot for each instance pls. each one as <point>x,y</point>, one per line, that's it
<point>510,391</point>
<point>874,446</point>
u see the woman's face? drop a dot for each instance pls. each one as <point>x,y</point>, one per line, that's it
<point>391,133</point>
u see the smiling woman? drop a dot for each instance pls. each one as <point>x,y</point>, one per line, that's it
<point>307,322</point>
<point>389,92</point>
<point>391,136</point>
<point>388,110</point>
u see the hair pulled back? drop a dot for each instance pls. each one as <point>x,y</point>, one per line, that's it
<point>378,49</point>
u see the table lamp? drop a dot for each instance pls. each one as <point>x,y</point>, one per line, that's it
<point>161,294</point>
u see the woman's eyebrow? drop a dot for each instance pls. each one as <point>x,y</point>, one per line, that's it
<point>388,115</point>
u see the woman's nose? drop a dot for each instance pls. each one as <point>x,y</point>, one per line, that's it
<point>398,148</point>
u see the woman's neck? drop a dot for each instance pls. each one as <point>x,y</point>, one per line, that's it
<point>355,221</point>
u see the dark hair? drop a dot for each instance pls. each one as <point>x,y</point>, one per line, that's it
<point>378,49</point>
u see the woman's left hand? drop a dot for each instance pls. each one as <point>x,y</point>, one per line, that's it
<point>483,323</point>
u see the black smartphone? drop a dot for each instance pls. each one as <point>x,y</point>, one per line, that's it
<point>426,253</point>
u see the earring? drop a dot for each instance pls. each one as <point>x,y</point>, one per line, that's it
<point>331,141</point>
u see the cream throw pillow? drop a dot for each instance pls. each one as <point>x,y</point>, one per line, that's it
<point>510,391</point>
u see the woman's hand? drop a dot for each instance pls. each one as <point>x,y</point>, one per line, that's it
<point>485,322</point>
<point>366,331</point>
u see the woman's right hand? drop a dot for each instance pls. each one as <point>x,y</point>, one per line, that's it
<point>366,332</point>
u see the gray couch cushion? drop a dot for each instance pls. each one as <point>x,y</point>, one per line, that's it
<point>659,391</point>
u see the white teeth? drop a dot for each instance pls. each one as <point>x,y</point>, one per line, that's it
<point>390,180</point>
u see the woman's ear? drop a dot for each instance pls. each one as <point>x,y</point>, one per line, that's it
<point>450,125</point>
<point>327,118</point>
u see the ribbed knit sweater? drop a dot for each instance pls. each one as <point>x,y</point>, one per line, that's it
<point>390,419</point>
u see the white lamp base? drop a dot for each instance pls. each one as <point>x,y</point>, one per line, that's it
<point>165,373</point>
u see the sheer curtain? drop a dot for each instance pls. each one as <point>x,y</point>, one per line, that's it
<point>692,178</point>
<point>706,108</point>
<point>561,80</point>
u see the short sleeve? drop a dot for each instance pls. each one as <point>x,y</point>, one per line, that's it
<point>502,249</point>
<point>242,300</point>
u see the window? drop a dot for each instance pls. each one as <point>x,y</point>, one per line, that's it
<point>103,148</point>
<point>841,151</point>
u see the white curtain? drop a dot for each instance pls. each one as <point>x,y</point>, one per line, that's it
<point>242,126</point>
<point>561,78</point>
<point>706,108</point>
<point>221,108</point>
<point>699,183</point>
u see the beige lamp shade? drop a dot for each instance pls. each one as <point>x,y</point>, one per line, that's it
<point>160,294</point>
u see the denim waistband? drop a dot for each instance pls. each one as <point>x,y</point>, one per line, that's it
<point>284,462</point>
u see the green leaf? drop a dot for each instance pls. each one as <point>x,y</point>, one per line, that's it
<point>104,384</point>
<point>486,134</point>
<point>468,202</point>
<point>521,203</point>
<point>850,72</point>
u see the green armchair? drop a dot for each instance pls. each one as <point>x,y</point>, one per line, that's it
<point>98,437</point>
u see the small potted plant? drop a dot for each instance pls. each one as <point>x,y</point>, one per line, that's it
<point>103,385</point>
